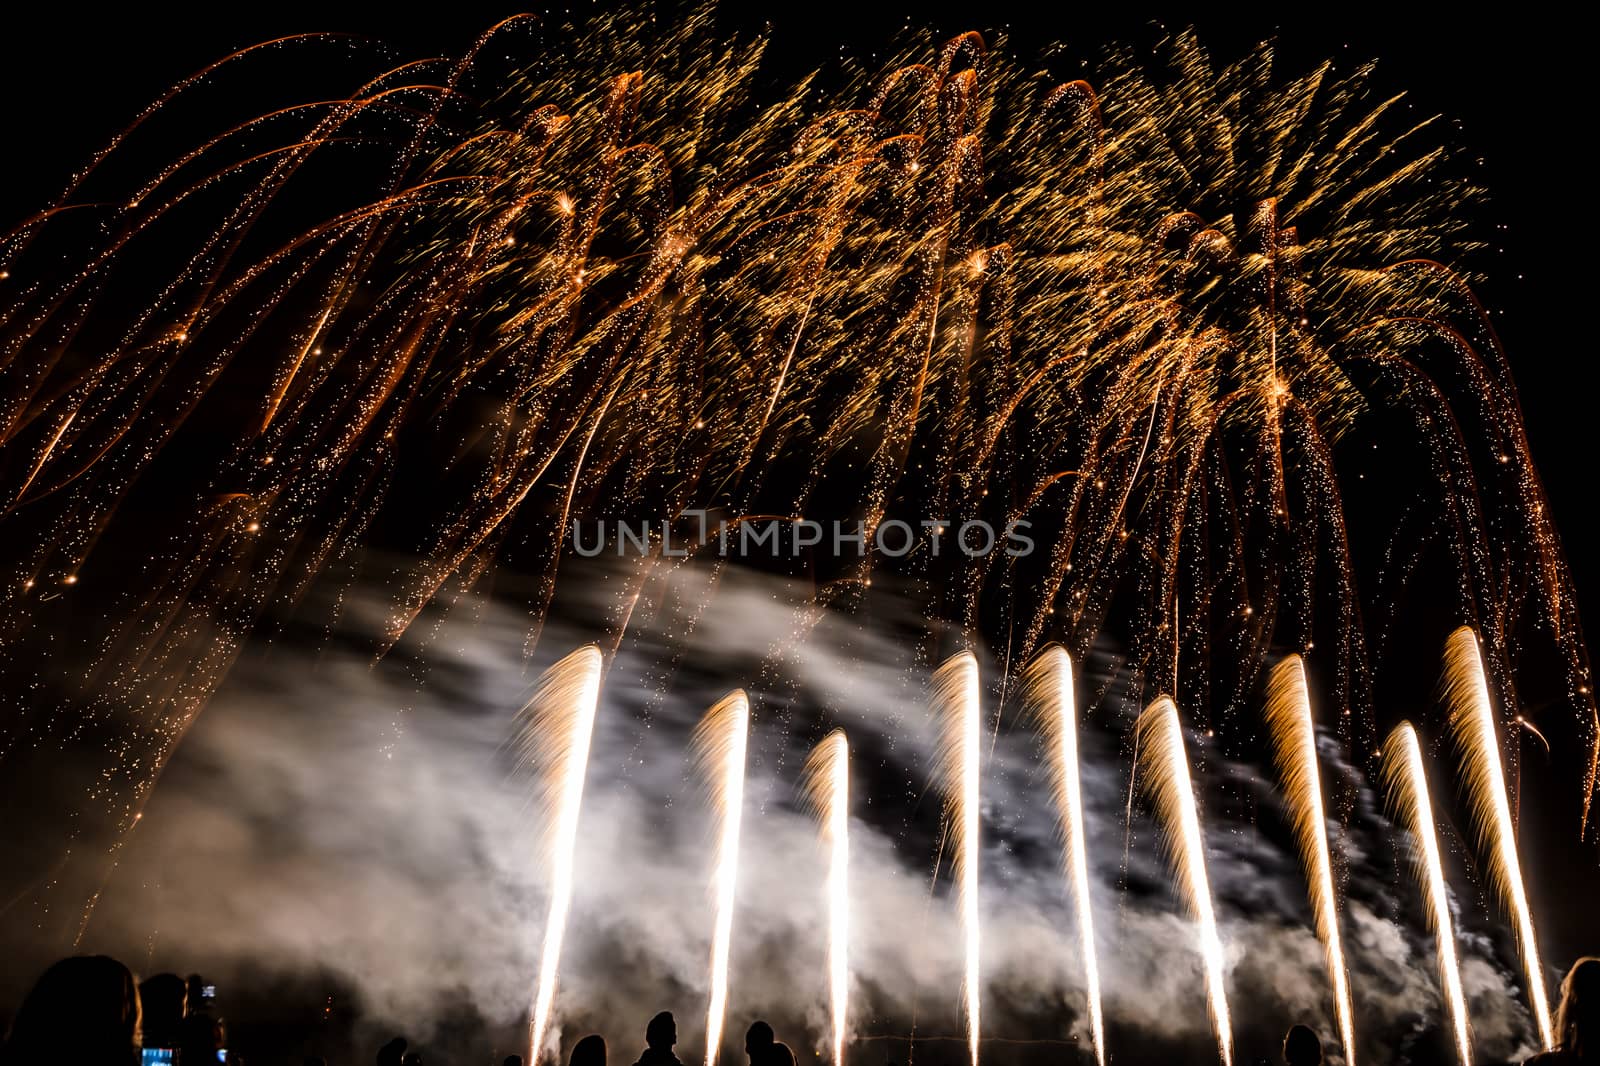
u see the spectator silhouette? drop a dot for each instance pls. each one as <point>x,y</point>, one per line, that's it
<point>659,1036</point>
<point>758,1043</point>
<point>781,1055</point>
<point>512,1060</point>
<point>393,1052</point>
<point>203,1031</point>
<point>163,1002</point>
<point>83,1011</point>
<point>1302,1047</point>
<point>1577,1019</point>
<point>590,1051</point>
<point>411,1058</point>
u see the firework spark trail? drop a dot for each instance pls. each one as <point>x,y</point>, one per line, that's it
<point>1408,790</point>
<point>958,703</point>
<point>827,776</point>
<point>1294,742</point>
<point>1472,724</point>
<point>1050,688</point>
<point>559,724</point>
<point>1594,772</point>
<point>722,737</point>
<point>565,280</point>
<point>1160,739</point>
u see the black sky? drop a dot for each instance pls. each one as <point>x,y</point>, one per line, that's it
<point>1517,82</point>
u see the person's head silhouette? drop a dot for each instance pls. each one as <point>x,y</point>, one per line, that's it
<point>163,1002</point>
<point>391,1053</point>
<point>758,1041</point>
<point>1578,1016</point>
<point>590,1051</point>
<point>83,1009</point>
<point>1302,1047</point>
<point>662,1032</point>
<point>512,1060</point>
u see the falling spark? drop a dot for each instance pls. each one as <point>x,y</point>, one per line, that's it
<point>1160,737</point>
<point>827,777</point>
<point>1294,743</point>
<point>1050,689</point>
<point>492,286</point>
<point>559,723</point>
<point>43,458</point>
<point>1408,787</point>
<point>956,696</point>
<point>722,737</point>
<point>1594,769</point>
<point>1472,723</point>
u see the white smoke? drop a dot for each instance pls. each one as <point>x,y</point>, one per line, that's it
<point>331,814</point>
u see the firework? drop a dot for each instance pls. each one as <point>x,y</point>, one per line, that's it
<point>559,726</point>
<point>722,737</point>
<point>1472,725</point>
<point>1160,740</point>
<point>960,710</point>
<point>1138,314</point>
<point>828,785</point>
<point>1408,791</point>
<point>1051,690</point>
<point>1294,743</point>
<point>536,289</point>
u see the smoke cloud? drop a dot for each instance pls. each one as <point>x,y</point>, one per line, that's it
<point>364,824</point>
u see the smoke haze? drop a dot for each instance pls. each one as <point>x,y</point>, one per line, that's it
<point>328,819</point>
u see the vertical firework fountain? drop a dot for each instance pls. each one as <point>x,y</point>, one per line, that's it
<point>827,776</point>
<point>721,738</point>
<point>1160,743</point>
<point>1472,723</point>
<point>1294,744</point>
<point>959,707</point>
<point>1408,790</point>
<point>559,723</point>
<point>1050,689</point>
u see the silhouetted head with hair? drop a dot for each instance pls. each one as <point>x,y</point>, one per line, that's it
<point>391,1053</point>
<point>163,1001</point>
<point>662,1032</point>
<point>1578,1016</point>
<point>590,1051</point>
<point>81,1010</point>
<point>758,1041</point>
<point>1302,1047</point>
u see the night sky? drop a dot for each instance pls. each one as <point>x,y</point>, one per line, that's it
<point>1516,82</point>
<point>1517,88</point>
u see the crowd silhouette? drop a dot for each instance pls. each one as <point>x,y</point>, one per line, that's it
<point>89,1010</point>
